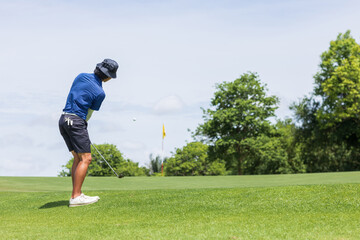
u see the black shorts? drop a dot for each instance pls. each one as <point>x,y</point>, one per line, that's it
<point>74,131</point>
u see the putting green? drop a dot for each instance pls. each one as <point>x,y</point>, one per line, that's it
<point>34,184</point>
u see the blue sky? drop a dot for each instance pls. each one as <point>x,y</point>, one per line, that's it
<point>171,55</point>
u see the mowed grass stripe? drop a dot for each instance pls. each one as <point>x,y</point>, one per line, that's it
<point>330,211</point>
<point>34,184</point>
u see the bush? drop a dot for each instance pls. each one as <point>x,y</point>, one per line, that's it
<point>192,160</point>
<point>98,166</point>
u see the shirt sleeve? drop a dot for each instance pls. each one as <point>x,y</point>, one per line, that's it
<point>97,102</point>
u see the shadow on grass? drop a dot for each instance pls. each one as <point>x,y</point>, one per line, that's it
<point>54,204</point>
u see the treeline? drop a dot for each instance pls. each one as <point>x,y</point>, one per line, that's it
<point>237,136</point>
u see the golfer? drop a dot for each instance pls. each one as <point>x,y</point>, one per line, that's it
<point>85,96</point>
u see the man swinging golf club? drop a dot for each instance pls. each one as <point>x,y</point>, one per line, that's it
<point>85,96</point>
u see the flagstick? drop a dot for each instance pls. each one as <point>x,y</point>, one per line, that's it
<point>162,158</point>
<point>162,152</point>
<point>162,146</point>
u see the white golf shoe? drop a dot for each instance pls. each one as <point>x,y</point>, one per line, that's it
<point>82,200</point>
<point>90,197</point>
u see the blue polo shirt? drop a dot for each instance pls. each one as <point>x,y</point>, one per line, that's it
<point>86,92</point>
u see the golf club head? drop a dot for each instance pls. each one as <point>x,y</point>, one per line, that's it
<point>120,175</point>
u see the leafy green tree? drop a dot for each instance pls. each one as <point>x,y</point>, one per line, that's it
<point>286,133</point>
<point>329,130</point>
<point>239,110</point>
<point>265,156</point>
<point>338,81</point>
<point>192,160</point>
<point>338,85</point>
<point>275,153</point>
<point>320,148</point>
<point>98,166</point>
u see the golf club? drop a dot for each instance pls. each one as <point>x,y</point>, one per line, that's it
<point>118,175</point>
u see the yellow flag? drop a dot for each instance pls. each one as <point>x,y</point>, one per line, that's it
<point>163,133</point>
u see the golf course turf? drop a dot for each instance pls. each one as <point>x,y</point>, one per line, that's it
<point>302,206</point>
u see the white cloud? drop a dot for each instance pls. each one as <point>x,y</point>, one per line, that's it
<point>132,145</point>
<point>168,105</point>
<point>15,139</point>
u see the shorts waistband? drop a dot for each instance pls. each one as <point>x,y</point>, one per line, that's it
<point>73,114</point>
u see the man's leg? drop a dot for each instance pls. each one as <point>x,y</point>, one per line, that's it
<point>80,173</point>
<point>74,166</point>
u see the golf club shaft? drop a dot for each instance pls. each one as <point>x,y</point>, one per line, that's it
<point>105,160</point>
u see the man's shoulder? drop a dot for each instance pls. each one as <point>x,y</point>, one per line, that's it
<point>85,78</point>
<point>85,75</point>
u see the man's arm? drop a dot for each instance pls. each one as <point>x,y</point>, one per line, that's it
<point>90,112</point>
<point>95,106</point>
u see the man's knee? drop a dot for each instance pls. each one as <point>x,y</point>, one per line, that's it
<point>86,158</point>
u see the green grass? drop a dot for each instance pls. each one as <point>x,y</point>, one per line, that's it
<point>306,206</point>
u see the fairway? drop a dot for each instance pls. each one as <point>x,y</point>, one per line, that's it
<point>303,206</point>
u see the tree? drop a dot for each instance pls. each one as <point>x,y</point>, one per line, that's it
<point>273,153</point>
<point>98,166</point>
<point>338,85</point>
<point>239,110</point>
<point>329,130</point>
<point>192,160</point>
<point>337,82</point>
<point>286,131</point>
